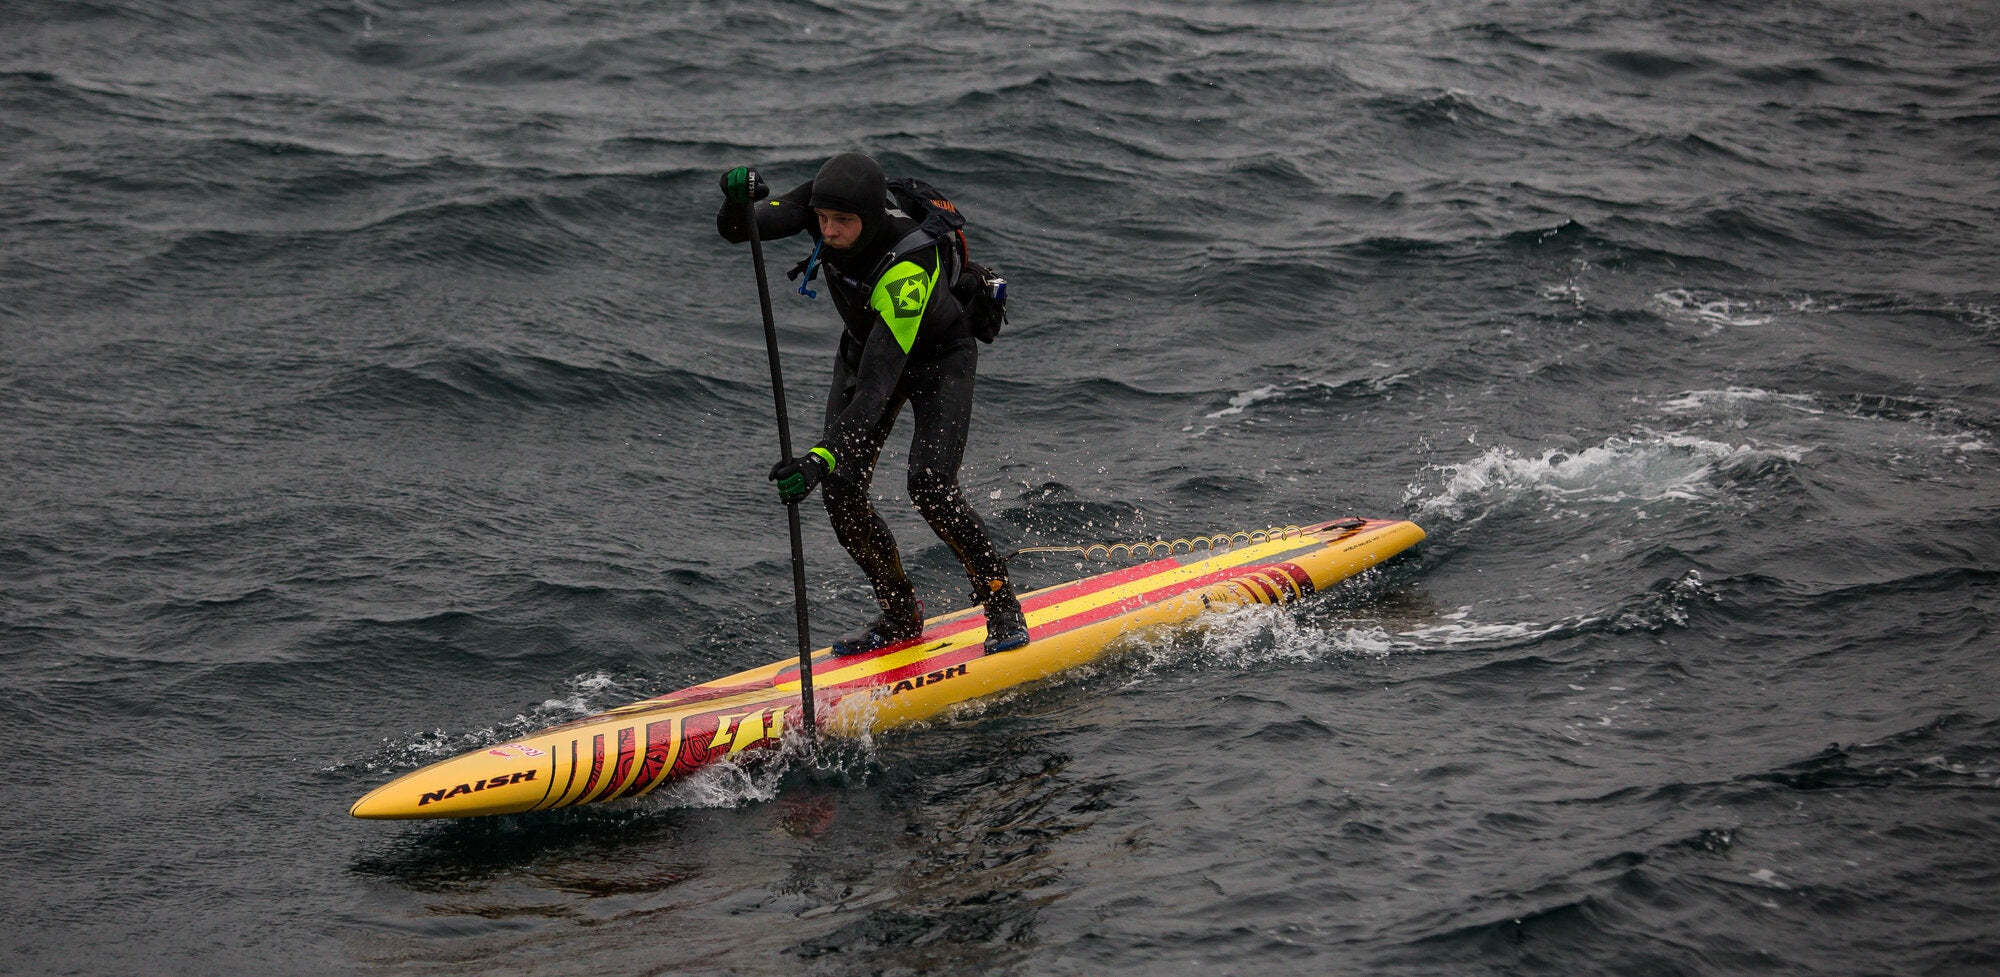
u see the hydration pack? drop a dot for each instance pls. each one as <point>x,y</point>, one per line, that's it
<point>978,289</point>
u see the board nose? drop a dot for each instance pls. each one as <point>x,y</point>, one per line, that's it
<point>488,782</point>
<point>379,805</point>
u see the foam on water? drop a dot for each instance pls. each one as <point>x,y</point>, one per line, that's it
<point>1620,471</point>
<point>1303,389</point>
<point>726,783</point>
<point>1252,637</point>
<point>1457,631</point>
<point>1707,400</point>
<point>1714,311</point>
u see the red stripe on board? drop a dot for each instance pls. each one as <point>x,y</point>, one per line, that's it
<point>703,693</point>
<point>571,779</point>
<point>1300,578</point>
<point>659,749</point>
<point>1250,574</point>
<point>1091,585</point>
<point>551,785</point>
<point>1097,614</point>
<point>1050,598</point>
<point>956,656</point>
<point>627,752</point>
<point>938,633</point>
<point>1257,579</point>
<point>596,769</point>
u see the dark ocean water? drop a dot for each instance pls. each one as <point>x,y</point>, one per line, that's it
<point>373,386</point>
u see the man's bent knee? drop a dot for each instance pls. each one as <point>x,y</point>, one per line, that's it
<point>838,492</point>
<point>932,493</point>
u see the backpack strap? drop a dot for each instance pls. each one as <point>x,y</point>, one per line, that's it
<point>923,237</point>
<point>940,218</point>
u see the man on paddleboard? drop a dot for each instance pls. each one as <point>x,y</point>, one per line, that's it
<point>907,339</point>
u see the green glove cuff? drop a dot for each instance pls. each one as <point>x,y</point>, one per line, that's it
<point>824,455</point>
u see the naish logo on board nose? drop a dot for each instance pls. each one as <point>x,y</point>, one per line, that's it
<point>447,793</point>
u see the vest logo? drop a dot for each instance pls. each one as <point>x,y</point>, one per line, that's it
<point>447,793</point>
<point>930,679</point>
<point>909,294</point>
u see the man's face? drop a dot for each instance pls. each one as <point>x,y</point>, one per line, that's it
<point>838,228</point>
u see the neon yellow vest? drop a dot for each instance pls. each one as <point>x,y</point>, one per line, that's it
<point>901,296</point>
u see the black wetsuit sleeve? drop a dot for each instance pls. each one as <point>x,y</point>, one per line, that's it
<point>875,377</point>
<point>777,217</point>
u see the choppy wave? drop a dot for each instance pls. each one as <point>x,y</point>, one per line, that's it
<point>373,387</point>
<point>480,380</point>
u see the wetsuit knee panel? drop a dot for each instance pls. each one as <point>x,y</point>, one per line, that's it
<point>840,489</point>
<point>930,489</point>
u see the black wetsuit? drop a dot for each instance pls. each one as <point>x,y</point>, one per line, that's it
<point>874,374</point>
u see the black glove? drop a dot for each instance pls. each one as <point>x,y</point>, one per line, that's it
<point>742,185</point>
<point>797,476</point>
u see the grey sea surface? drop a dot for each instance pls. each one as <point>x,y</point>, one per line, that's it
<point>374,387</point>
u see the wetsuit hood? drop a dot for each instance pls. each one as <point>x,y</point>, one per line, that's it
<point>854,183</point>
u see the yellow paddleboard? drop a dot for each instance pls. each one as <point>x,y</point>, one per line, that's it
<point>633,749</point>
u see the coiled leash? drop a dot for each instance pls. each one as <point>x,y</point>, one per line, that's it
<point>1154,549</point>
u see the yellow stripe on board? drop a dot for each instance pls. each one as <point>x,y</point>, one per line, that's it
<point>635,748</point>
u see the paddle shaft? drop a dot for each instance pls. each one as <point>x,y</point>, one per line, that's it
<point>785,449</point>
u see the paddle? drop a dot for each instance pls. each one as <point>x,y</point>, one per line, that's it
<point>748,198</point>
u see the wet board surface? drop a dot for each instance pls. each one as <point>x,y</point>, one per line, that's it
<point>631,750</point>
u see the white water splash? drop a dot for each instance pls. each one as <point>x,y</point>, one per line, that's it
<point>1646,468</point>
<point>1694,401</point>
<point>585,691</point>
<point>1242,402</point>
<point>757,778</point>
<point>1458,633</point>
<point>1715,311</point>
<point>723,784</point>
<point>1252,637</point>
<point>1248,638</point>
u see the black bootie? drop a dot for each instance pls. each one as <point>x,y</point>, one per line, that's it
<point>1006,625</point>
<point>898,625</point>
